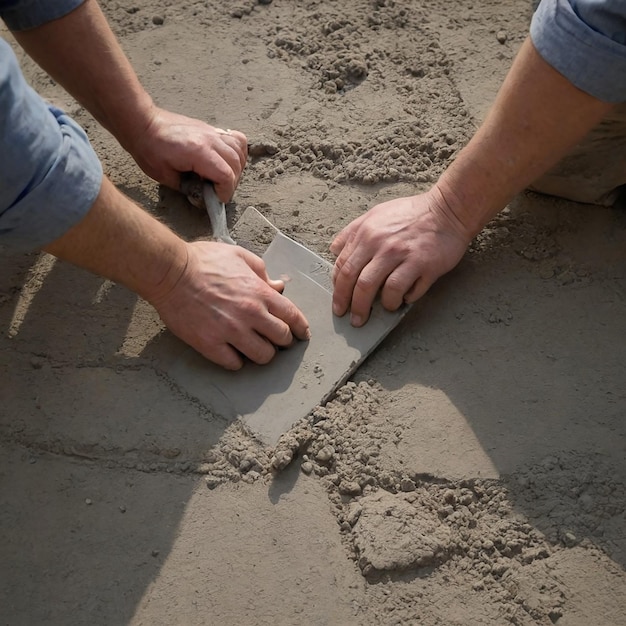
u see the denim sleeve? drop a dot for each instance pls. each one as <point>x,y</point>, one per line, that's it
<point>49,174</point>
<point>585,40</point>
<point>25,14</point>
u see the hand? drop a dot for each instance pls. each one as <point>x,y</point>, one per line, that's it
<point>173,143</point>
<point>225,305</point>
<point>401,246</point>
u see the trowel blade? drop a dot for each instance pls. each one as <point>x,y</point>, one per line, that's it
<point>270,398</point>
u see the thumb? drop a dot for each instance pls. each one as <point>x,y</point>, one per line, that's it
<point>278,285</point>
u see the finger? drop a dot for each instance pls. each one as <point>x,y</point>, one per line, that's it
<point>212,166</point>
<point>398,284</point>
<point>233,150</point>
<point>285,310</point>
<point>222,164</point>
<point>279,306</point>
<point>343,255</point>
<point>352,242</point>
<point>256,347</point>
<point>239,142</point>
<point>370,280</point>
<point>277,285</point>
<point>226,189</point>
<point>224,355</point>
<point>344,235</point>
<point>274,329</point>
<point>236,140</point>
<point>348,266</point>
<point>257,265</point>
<point>420,287</point>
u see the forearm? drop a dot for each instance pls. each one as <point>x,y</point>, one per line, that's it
<point>120,241</point>
<point>538,115</point>
<point>81,52</point>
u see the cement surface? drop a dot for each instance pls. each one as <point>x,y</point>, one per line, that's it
<point>490,419</point>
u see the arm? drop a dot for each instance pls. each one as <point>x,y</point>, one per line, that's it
<point>538,116</point>
<point>215,297</point>
<point>80,51</point>
<point>403,246</point>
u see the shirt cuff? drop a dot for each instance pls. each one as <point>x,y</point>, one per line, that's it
<point>25,14</point>
<point>50,175</point>
<point>590,59</point>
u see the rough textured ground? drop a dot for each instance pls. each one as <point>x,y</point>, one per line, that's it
<point>473,470</point>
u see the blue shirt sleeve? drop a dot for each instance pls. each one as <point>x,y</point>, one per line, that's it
<point>25,14</point>
<point>49,174</point>
<point>585,40</point>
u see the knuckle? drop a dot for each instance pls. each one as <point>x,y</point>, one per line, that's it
<point>366,282</point>
<point>250,307</point>
<point>396,284</point>
<point>221,174</point>
<point>292,314</point>
<point>348,271</point>
<point>285,338</point>
<point>286,317</point>
<point>229,328</point>
<point>263,355</point>
<point>391,300</point>
<point>197,144</point>
<point>336,270</point>
<point>241,138</point>
<point>398,248</point>
<point>368,235</point>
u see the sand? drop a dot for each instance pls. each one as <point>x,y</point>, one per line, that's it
<point>472,471</point>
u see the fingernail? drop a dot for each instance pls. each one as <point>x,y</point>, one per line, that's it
<point>307,335</point>
<point>337,310</point>
<point>356,320</point>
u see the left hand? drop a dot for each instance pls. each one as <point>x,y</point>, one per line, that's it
<point>174,143</point>
<point>399,248</point>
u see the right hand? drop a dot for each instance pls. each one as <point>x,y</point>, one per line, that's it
<point>225,305</point>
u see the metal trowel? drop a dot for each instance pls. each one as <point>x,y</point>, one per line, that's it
<point>270,398</point>
<point>201,193</point>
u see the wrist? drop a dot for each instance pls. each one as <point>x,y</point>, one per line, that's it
<point>160,276</point>
<point>463,211</point>
<point>120,241</point>
<point>133,120</point>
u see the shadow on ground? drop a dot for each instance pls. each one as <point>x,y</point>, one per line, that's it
<point>513,366</point>
<point>96,449</point>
